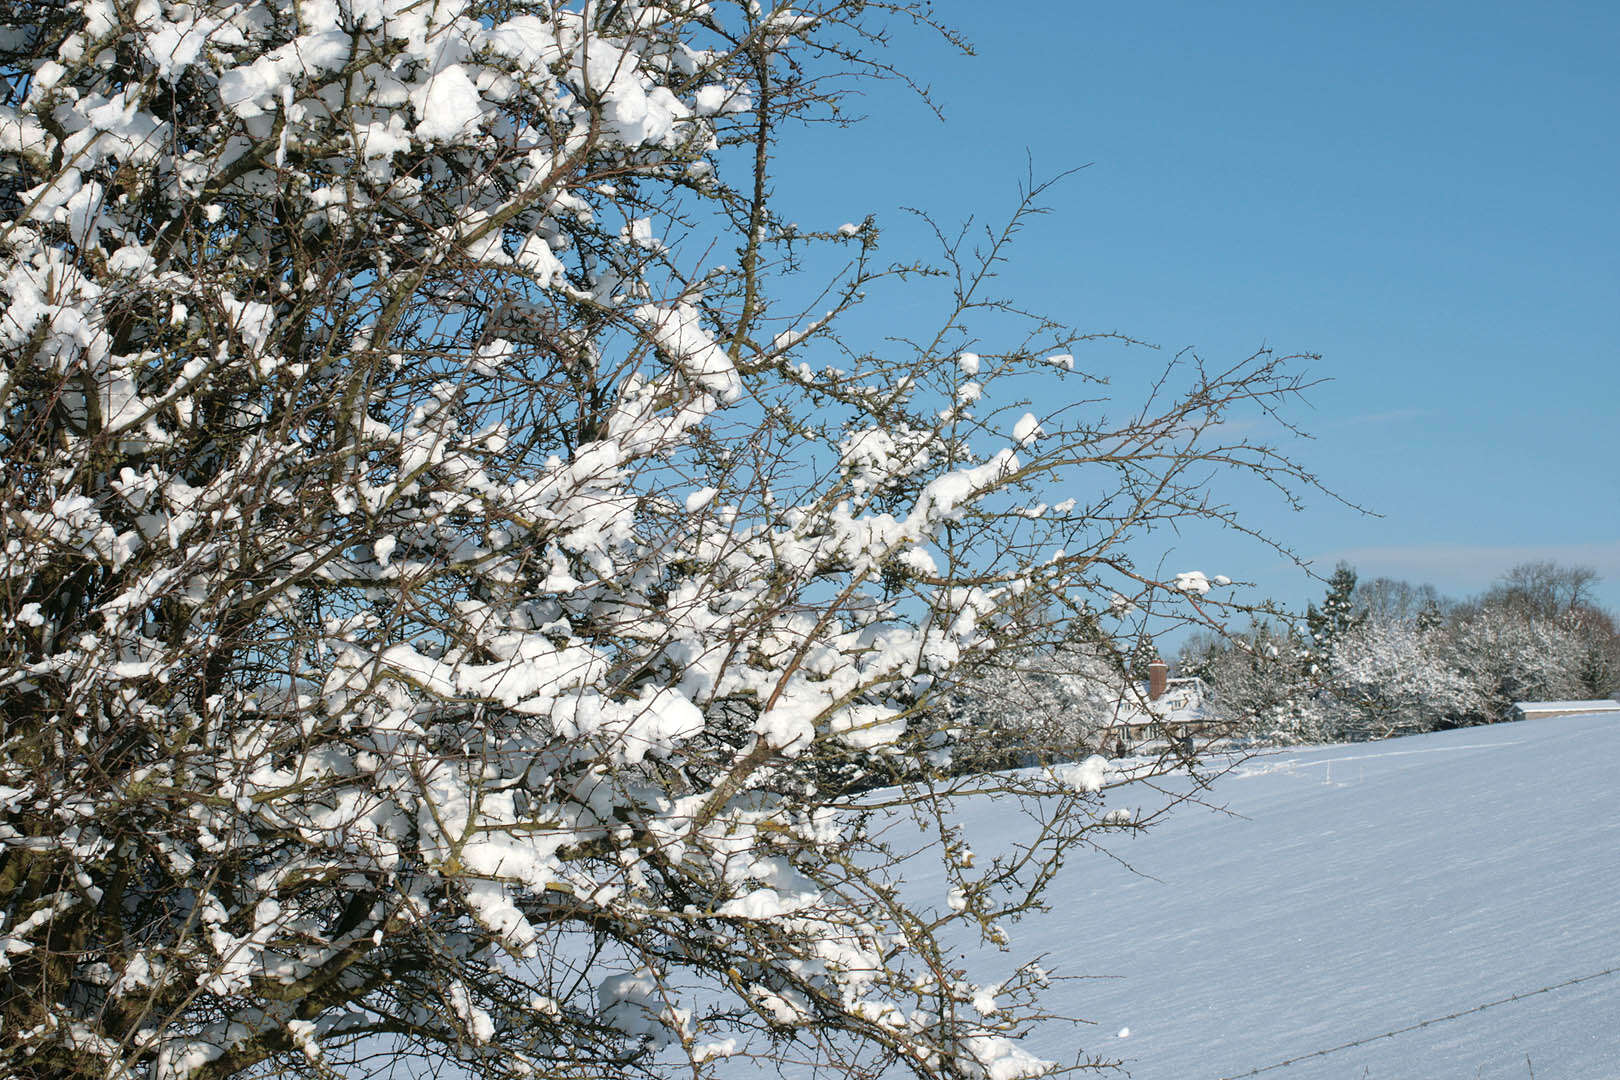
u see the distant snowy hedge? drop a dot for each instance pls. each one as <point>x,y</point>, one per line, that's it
<point>1386,657</point>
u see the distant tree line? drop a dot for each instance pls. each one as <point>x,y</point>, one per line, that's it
<point>1387,657</point>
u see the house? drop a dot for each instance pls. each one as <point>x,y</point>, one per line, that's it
<point>1171,710</point>
<point>1531,710</point>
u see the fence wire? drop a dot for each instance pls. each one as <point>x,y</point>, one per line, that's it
<point>1430,1022</point>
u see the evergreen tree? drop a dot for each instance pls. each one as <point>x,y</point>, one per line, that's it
<point>1430,618</point>
<point>1142,655</point>
<point>1337,615</point>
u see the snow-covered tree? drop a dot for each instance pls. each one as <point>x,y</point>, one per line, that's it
<point>1598,663</point>
<point>1509,656</point>
<point>1391,598</point>
<point>1561,598</point>
<point>452,601</point>
<point>1545,589</point>
<point>1261,681</point>
<point>1390,676</point>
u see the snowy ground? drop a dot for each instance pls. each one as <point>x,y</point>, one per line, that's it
<point>1361,889</point>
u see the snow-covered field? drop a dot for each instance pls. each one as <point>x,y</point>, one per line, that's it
<point>1358,890</point>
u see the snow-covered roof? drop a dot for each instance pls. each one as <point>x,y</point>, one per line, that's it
<point>1182,703</point>
<point>1595,705</point>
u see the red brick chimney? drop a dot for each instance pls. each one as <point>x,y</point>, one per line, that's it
<point>1158,675</point>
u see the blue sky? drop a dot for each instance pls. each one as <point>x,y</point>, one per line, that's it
<point>1426,195</point>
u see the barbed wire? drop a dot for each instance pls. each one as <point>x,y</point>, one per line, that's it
<point>1423,1024</point>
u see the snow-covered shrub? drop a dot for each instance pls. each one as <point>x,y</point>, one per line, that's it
<point>446,609</point>
<point>1046,706</point>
